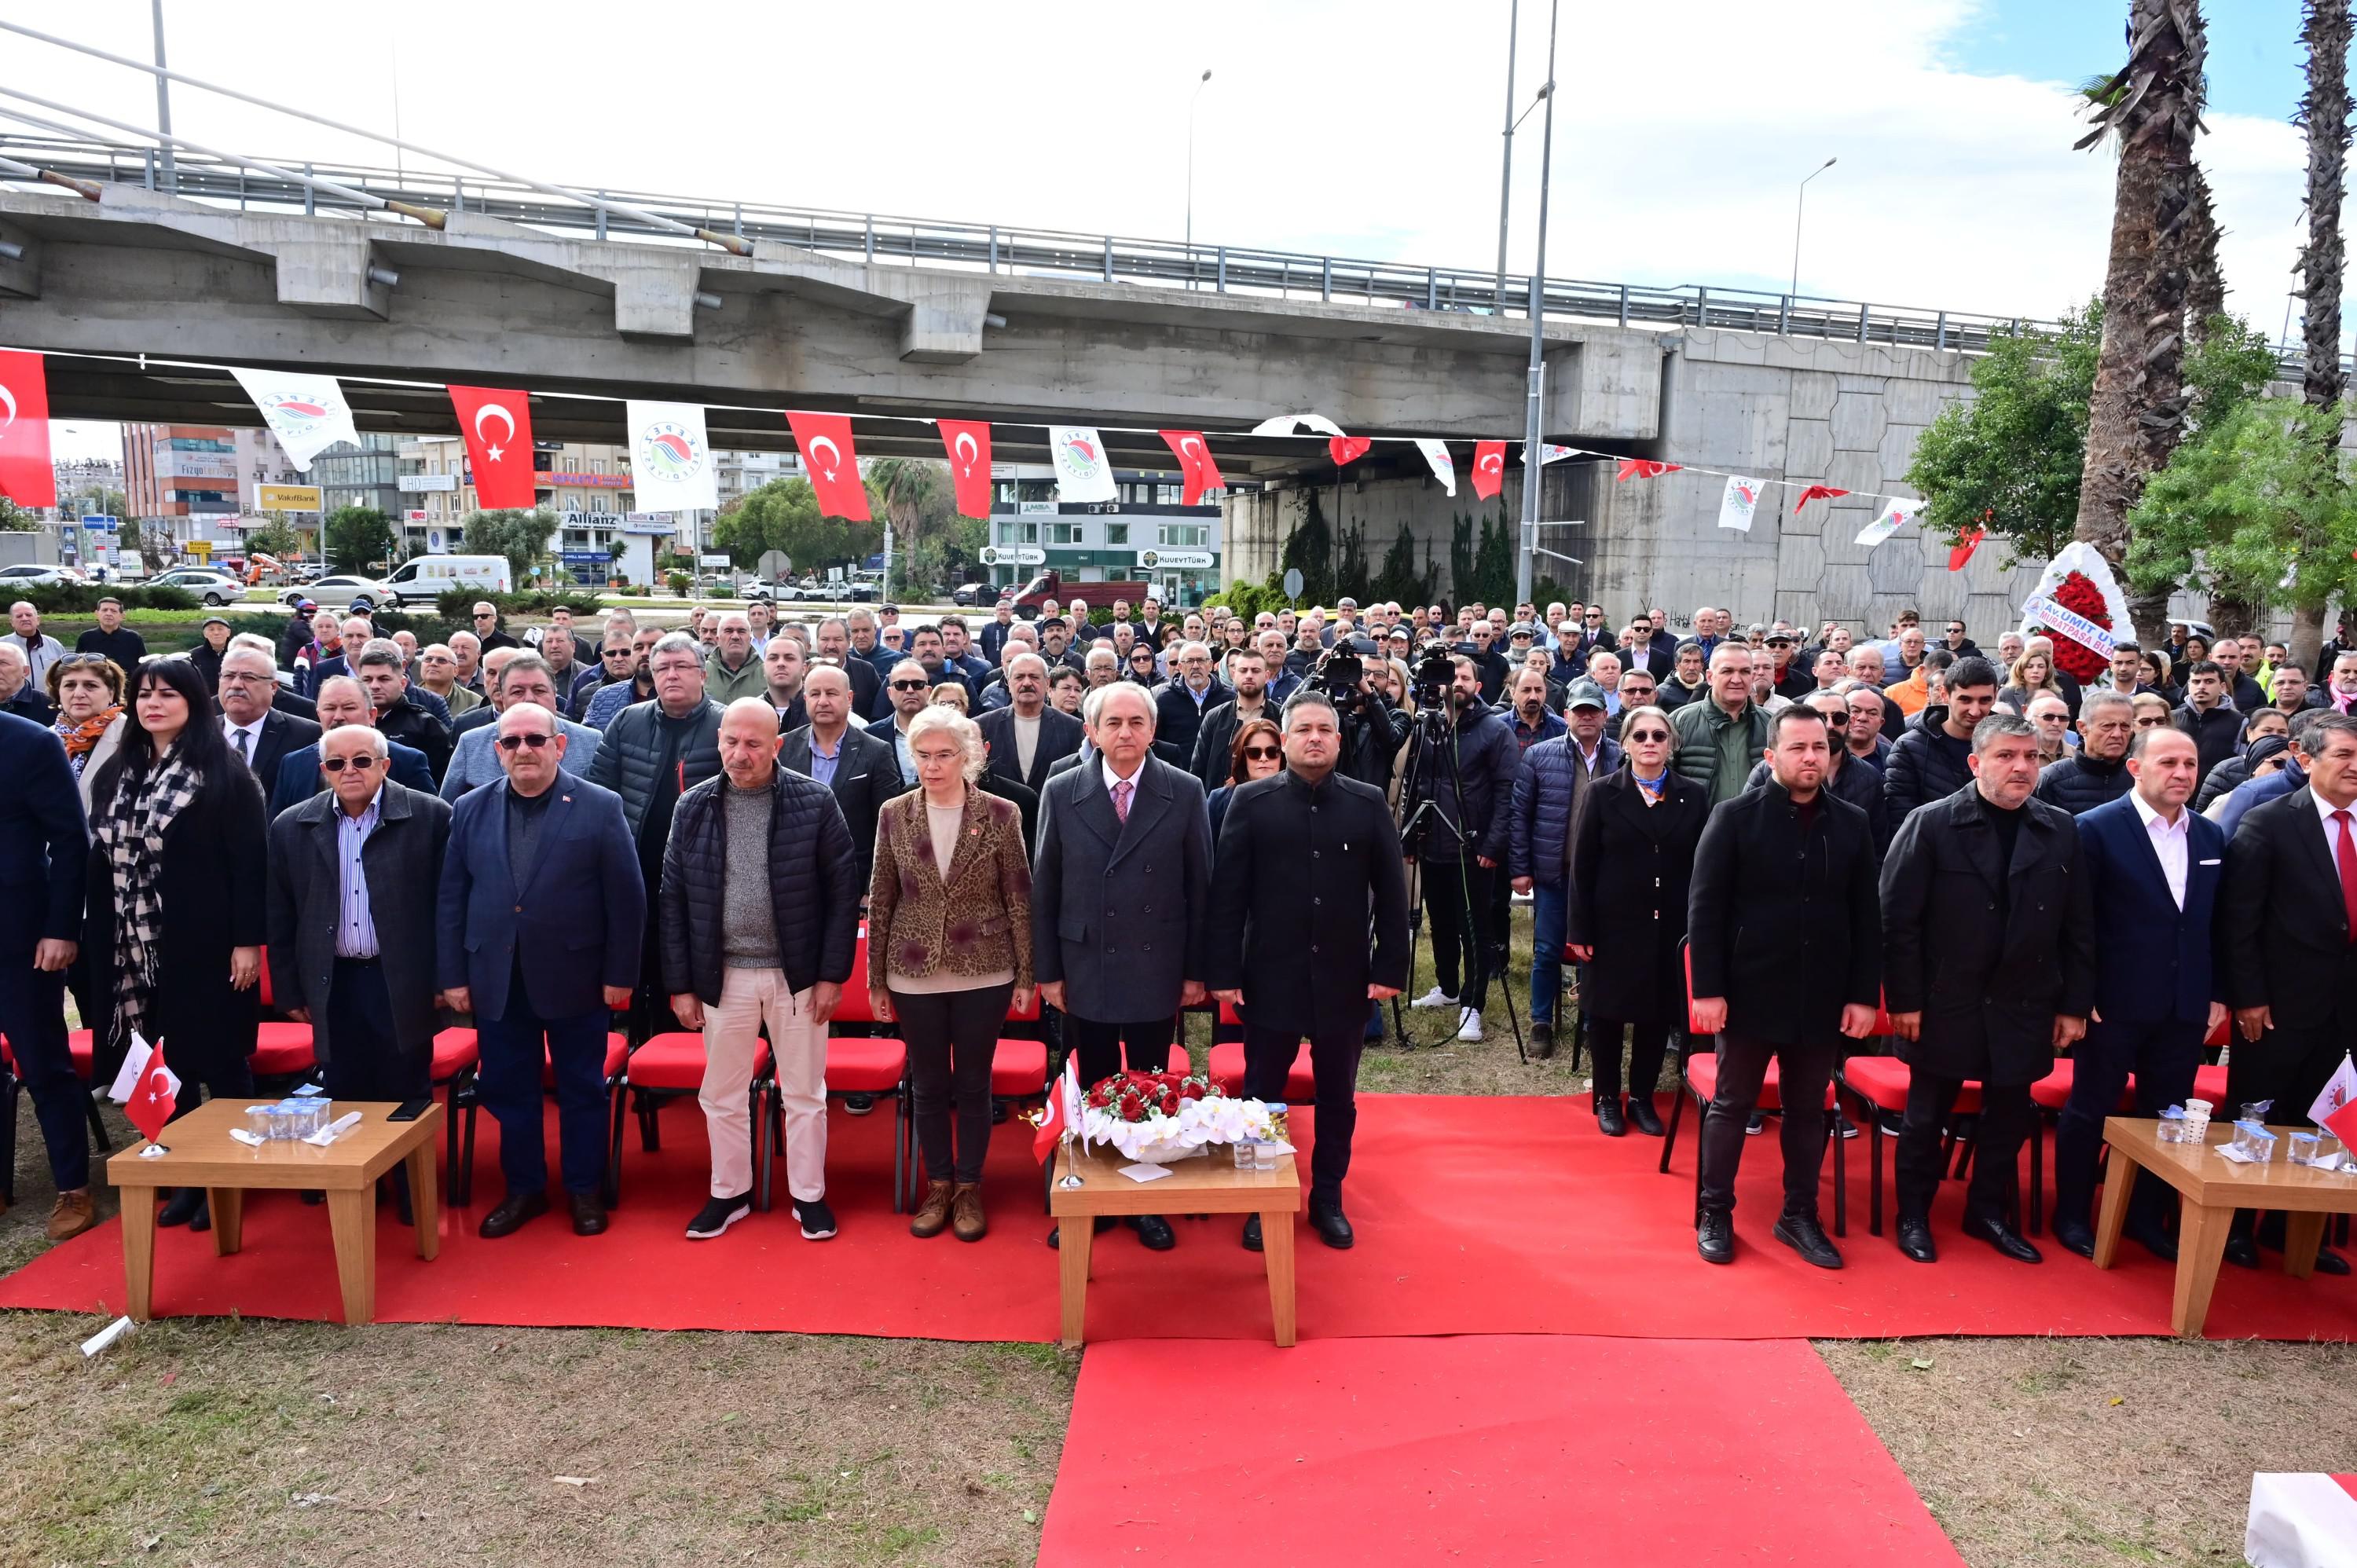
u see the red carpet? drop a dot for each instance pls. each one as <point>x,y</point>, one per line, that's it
<point>1475,1215</point>
<point>1480,1449</point>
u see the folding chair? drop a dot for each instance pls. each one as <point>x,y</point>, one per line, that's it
<point>11,1085</point>
<point>855,1064</point>
<point>663,1067</point>
<point>283,1048</point>
<point>1226,1066</point>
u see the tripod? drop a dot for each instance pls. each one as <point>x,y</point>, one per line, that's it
<point>1436,736</point>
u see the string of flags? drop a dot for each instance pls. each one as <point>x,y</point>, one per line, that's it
<point>673,468</point>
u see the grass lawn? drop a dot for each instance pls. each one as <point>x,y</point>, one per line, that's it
<point>252,1442</point>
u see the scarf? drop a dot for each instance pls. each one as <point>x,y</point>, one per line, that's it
<point>132,833</point>
<point>80,738</point>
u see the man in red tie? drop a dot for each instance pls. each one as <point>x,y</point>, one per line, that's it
<point>2289,912</point>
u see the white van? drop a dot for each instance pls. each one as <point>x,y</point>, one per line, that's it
<point>422,578</point>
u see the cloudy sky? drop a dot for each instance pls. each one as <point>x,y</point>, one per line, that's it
<point>1359,127</point>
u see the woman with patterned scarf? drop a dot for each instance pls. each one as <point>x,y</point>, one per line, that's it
<point>175,926</point>
<point>86,690</point>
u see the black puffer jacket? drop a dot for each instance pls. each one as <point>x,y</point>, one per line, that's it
<point>814,886</point>
<point>632,749</point>
<point>2078,783</point>
<point>1926,764</point>
<point>1482,752</point>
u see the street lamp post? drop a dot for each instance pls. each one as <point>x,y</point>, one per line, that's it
<point>1533,434</point>
<point>1192,99</point>
<point>1799,204</point>
<point>164,102</point>
<point>1506,161</point>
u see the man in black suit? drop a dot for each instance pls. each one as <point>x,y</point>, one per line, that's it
<point>861,769</point>
<point>1784,965</point>
<point>1295,973</point>
<point>1120,892</point>
<point>2290,913</point>
<point>1988,971</point>
<point>1027,737</point>
<point>1181,705</point>
<point>44,857</point>
<point>1217,738</point>
<point>259,736</point>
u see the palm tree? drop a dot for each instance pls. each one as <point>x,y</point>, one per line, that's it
<point>2152,107</point>
<point>2324,115</point>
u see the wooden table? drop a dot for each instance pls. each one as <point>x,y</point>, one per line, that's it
<point>2211,1188</point>
<point>1207,1184</point>
<point>202,1153</point>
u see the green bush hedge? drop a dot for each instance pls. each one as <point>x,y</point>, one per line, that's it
<point>82,599</point>
<point>1248,599</point>
<point>458,603</point>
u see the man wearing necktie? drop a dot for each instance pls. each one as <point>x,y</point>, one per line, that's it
<point>258,735</point>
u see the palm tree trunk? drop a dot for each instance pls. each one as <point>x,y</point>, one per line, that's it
<point>2137,415</point>
<point>2324,115</point>
<point>2205,280</point>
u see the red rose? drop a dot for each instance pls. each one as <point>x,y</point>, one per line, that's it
<point>1191,1090</point>
<point>2077,593</point>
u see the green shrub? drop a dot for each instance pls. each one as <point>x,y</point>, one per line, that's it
<point>458,604</point>
<point>1248,599</point>
<point>678,582</point>
<point>82,599</point>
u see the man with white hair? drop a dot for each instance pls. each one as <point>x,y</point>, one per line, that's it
<point>342,701</point>
<point>18,695</point>
<point>467,649</point>
<point>758,918</point>
<point>352,634</point>
<point>259,736</point>
<point>732,669</point>
<point>1121,888</point>
<point>40,648</point>
<point>1180,706</point>
<point>1027,737</point>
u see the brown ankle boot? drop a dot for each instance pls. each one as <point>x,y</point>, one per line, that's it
<point>968,1224</point>
<point>933,1214</point>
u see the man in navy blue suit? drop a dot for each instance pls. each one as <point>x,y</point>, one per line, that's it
<point>524,861</point>
<point>2154,866</point>
<point>342,701</point>
<point>44,849</point>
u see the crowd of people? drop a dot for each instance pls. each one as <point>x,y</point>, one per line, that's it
<point>1757,841</point>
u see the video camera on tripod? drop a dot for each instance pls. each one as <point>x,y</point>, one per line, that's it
<point>1432,675</point>
<point>1340,676</point>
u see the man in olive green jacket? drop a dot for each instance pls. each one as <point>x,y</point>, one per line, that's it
<point>1722,736</point>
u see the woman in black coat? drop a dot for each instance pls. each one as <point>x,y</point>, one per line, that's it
<point>175,921</point>
<point>1632,855</point>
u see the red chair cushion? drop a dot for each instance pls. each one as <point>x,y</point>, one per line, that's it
<point>2224,1033</point>
<point>2210,1084</point>
<point>78,1046</point>
<point>1702,1075</point>
<point>673,1063</point>
<point>455,1050</point>
<point>280,1048</point>
<point>862,1065</point>
<point>2053,1092</point>
<point>617,1051</point>
<point>1227,1070</point>
<point>1882,1082</point>
<point>1018,1069</point>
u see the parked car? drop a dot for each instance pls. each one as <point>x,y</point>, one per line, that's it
<point>215,588</point>
<point>342,590</point>
<point>423,578</point>
<point>30,575</point>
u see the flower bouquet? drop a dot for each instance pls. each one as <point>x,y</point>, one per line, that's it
<point>1158,1117</point>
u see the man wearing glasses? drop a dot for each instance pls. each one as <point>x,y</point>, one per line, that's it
<point>1957,643</point>
<point>910,689</point>
<point>487,627</point>
<point>354,878</point>
<point>524,862</point>
<point>343,701</point>
<point>259,736</point>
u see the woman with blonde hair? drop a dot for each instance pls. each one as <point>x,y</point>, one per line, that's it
<point>2032,673</point>
<point>949,947</point>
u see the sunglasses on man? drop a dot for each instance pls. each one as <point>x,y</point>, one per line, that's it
<point>911,685</point>
<point>512,742</point>
<point>359,764</point>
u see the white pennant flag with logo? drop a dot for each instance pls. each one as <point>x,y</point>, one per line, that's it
<point>1083,470</point>
<point>1551,453</point>
<point>1739,502</point>
<point>135,1063</point>
<point>671,458</point>
<point>307,412</point>
<point>1895,516</point>
<point>1444,467</point>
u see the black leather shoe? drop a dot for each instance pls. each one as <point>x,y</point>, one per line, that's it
<point>1806,1236</point>
<point>1154,1233</point>
<point>1643,1117</point>
<point>2329,1261</point>
<point>2076,1236</point>
<point>1543,1040</point>
<point>1997,1234</point>
<point>1714,1236</point>
<point>515,1211</point>
<point>182,1206</point>
<point>2159,1243</point>
<point>1607,1116</point>
<point>588,1213</point>
<point>1252,1233</point>
<point>1102,1223</point>
<point>1331,1227</point>
<point>2243,1251</point>
<point>1915,1240</point>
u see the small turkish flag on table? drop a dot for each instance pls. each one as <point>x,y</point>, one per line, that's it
<point>154,1097</point>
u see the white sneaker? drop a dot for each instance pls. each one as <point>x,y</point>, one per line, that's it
<point>1469,1026</point>
<point>1436,997</point>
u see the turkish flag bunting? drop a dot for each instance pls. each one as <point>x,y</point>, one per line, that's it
<point>1197,471</point>
<point>1964,548</point>
<point>26,477</point>
<point>497,423</point>
<point>968,441</point>
<point>154,1098</point>
<point>1348,448</point>
<point>1817,493</point>
<point>1642,468</point>
<point>833,466</point>
<point>1489,467</point>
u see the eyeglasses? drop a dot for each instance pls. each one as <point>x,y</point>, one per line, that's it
<point>510,742</point>
<point>1838,721</point>
<point>359,764</point>
<point>912,685</point>
<point>1263,753</point>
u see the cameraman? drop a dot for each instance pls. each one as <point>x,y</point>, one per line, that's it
<point>1462,840</point>
<point>1373,729</point>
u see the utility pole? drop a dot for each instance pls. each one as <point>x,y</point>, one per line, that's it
<point>1191,99</point>
<point>1506,160</point>
<point>1532,433</point>
<point>164,100</point>
<point>1800,204</point>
